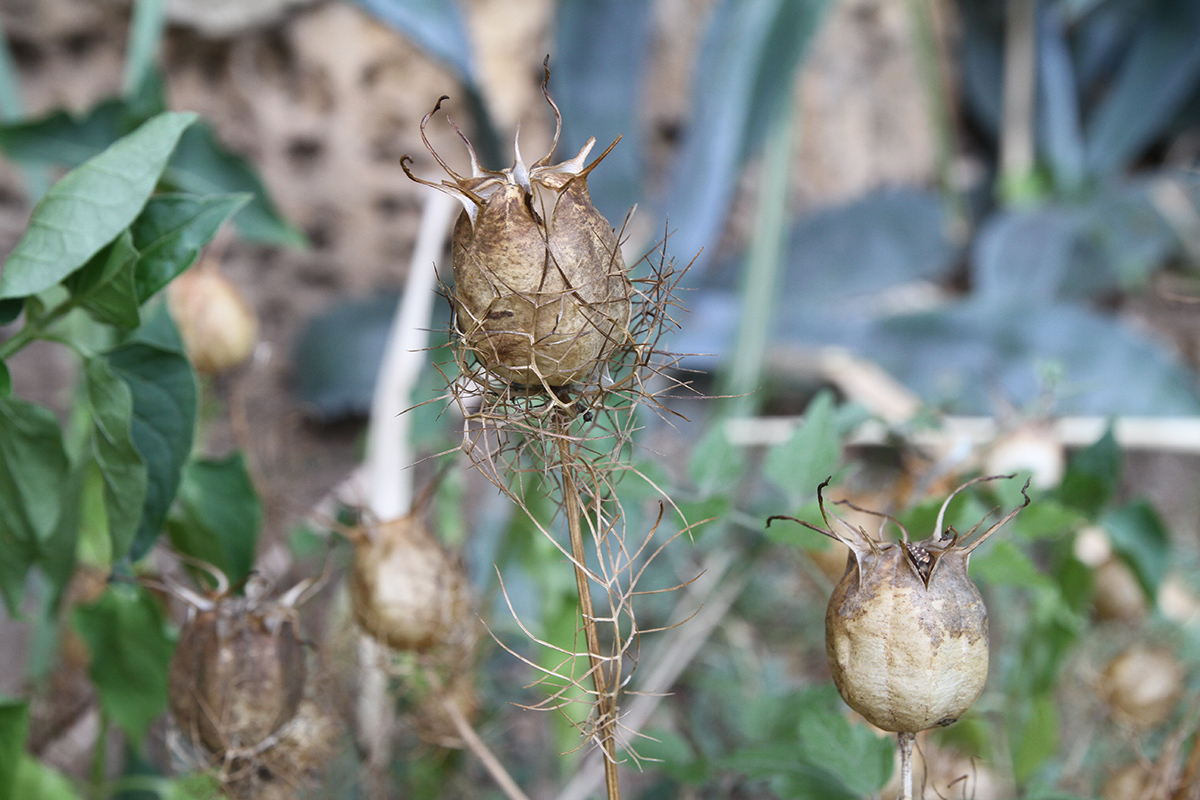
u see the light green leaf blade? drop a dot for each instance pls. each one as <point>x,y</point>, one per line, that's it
<point>90,206</point>
<point>812,454</point>
<point>716,465</point>
<point>33,468</point>
<point>218,515</point>
<point>170,232</point>
<point>14,728</point>
<point>122,468</point>
<point>36,781</point>
<point>126,634</point>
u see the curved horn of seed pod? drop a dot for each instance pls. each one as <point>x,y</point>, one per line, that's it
<point>906,629</point>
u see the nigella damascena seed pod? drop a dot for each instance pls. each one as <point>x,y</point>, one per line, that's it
<point>239,669</point>
<point>541,296</point>
<point>906,629</point>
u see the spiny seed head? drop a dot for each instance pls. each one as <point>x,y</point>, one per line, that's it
<point>541,296</point>
<point>238,672</point>
<point>906,629</point>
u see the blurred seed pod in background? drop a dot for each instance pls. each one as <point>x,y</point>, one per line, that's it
<point>217,324</point>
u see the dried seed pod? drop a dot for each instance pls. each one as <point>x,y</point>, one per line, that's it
<point>217,325</point>
<point>238,671</point>
<point>1143,685</point>
<point>407,591</point>
<point>906,629</point>
<point>541,296</point>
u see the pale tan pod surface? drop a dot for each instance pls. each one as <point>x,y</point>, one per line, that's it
<point>906,656</point>
<point>407,591</point>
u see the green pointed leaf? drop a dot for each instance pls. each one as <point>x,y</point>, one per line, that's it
<point>127,637</point>
<point>91,205</point>
<point>36,781</point>
<point>5,380</point>
<point>61,138</point>
<point>202,165</point>
<point>14,728</point>
<point>33,467</point>
<point>218,515</point>
<point>59,550</point>
<point>163,388</point>
<point>1092,475</point>
<point>1141,540</point>
<point>170,232</point>
<point>1036,739</point>
<point>812,454</point>
<point>716,465</point>
<point>860,760</point>
<point>104,285</point>
<point>124,473</point>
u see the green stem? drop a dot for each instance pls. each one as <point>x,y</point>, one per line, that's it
<point>34,328</point>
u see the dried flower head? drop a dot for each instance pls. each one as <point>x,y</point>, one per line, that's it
<point>541,296</point>
<point>906,629</point>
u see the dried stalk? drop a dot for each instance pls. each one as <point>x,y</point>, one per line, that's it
<point>605,699</point>
<point>905,741</point>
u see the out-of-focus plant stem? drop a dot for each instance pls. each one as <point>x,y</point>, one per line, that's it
<point>1018,181</point>
<point>933,71</point>
<point>761,271</point>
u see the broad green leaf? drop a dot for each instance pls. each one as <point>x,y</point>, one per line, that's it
<point>124,473</point>
<point>674,756</point>
<point>597,75</point>
<point>164,393</point>
<point>791,777</point>
<point>91,205</point>
<point>1141,540</point>
<point>1156,76</point>
<point>104,285</point>
<point>37,781</point>
<point>218,515</point>
<point>437,26</point>
<point>744,66</point>
<point>1036,740</point>
<point>716,465</point>
<point>127,636</point>
<point>853,753</point>
<point>170,232</point>
<point>201,165</point>
<point>5,380</point>
<point>33,468</point>
<point>61,138</point>
<point>1092,475</point>
<point>14,728</point>
<point>812,454</point>
<point>1003,563</point>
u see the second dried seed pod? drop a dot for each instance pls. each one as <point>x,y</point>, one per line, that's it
<point>906,629</point>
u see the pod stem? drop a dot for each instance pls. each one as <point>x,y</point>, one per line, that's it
<point>605,699</point>
<point>905,741</point>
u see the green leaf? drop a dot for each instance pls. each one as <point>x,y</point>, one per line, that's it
<point>1092,475</point>
<point>111,404</point>
<point>1036,739</point>
<point>36,781</point>
<point>674,756</point>
<point>127,637</point>
<point>716,465</point>
<point>201,165</point>
<point>218,515</point>
<point>861,760</point>
<point>91,205</point>
<point>1141,540</point>
<point>14,728</point>
<point>33,467</point>
<point>5,380</point>
<point>104,285</point>
<point>170,232</point>
<point>812,454</point>
<point>792,777</point>
<point>197,786</point>
<point>61,138</point>
<point>1003,563</point>
<point>163,388</point>
<point>10,309</point>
